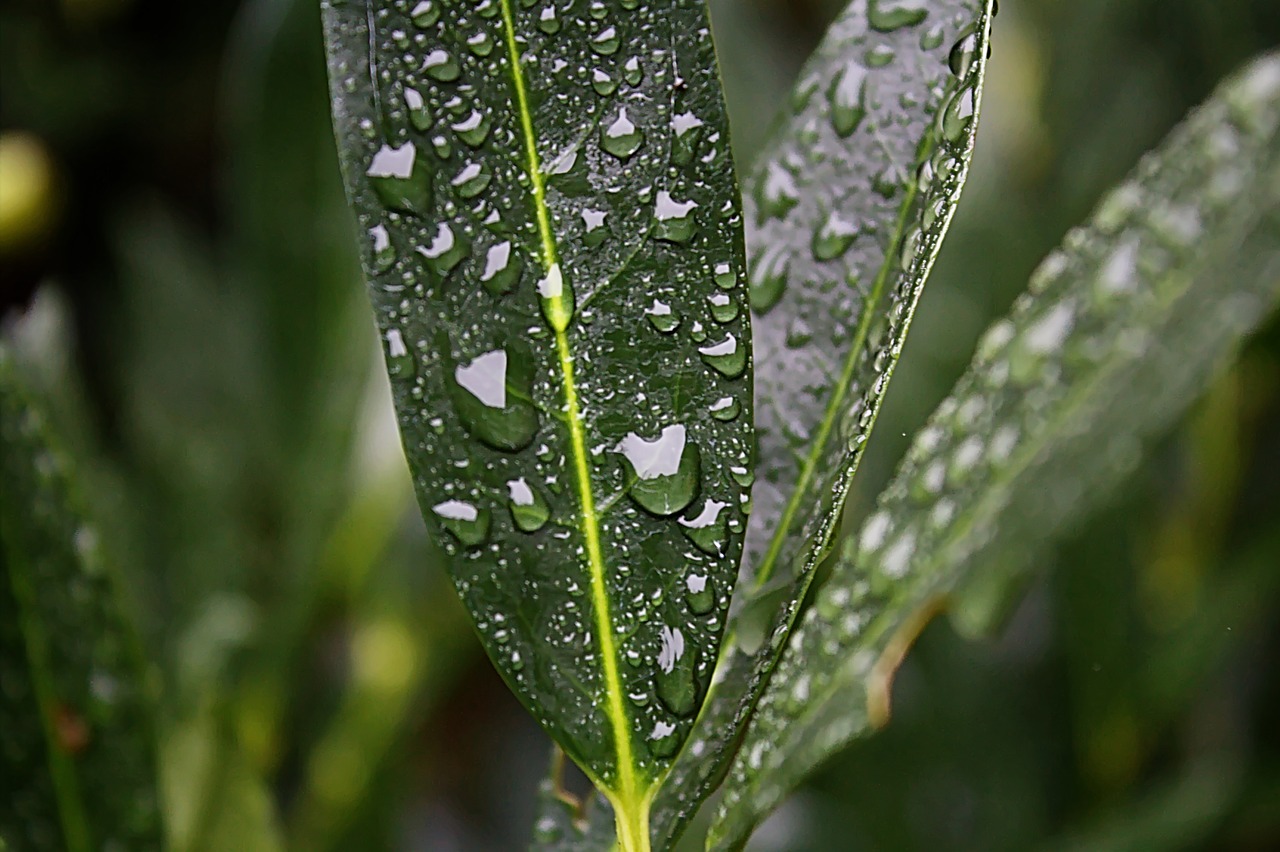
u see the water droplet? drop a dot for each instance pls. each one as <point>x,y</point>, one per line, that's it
<point>879,56</point>
<point>798,333</point>
<point>419,115</point>
<point>547,20</point>
<point>440,65</point>
<point>726,408</point>
<point>471,180</point>
<point>727,356</point>
<point>606,41</point>
<point>675,219</point>
<point>621,138</point>
<point>725,277</point>
<point>688,133</point>
<point>849,99</point>
<point>931,39</point>
<point>700,593</point>
<point>501,268</point>
<point>665,471</point>
<point>469,524</point>
<point>888,15</point>
<point>593,222</point>
<point>603,83</point>
<point>492,396</point>
<point>723,308</point>
<point>778,192</point>
<point>557,299</point>
<point>768,283</point>
<point>662,317</point>
<point>473,129</point>
<point>529,510</point>
<point>400,179</point>
<point>632,72</point>
<point>384,254</point>
<point>446,250</point>
<point>400,362</point>
<point>833,237</point>
<point>480,44</point>
<point>958,115</point>
<point>962,54</point>
<point>677,688</point>
<point>708,529</point>
<point>664,740</point>
<point>425,13</point>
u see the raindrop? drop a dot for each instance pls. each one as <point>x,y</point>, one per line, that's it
<point>399,179</point>
<point>469,524</point>
<point>547,20</point>
<point>767,287</point>
<point>677,688</point>
<point>473,129</point>
<point>798,333</point>
<point>481,45</point>
<point>557,299</point>
<point>723,308</point>
<point>708,528</point>
<point>425,13</point>
<point>593,221</point>
<point>727,356</point>
<point>958,115</point>
<point>603,83</point>
<point>688,133</point>
<point>960,59</point>
<point>665,470</point>
<point>419,115</point>
<point>384,255</point>
<point>662,317</point>
<point>492,396</point>
<point>471,181</point>
<point>529,510</point>
<point>400,361</point>
<point>664,740</point>
<point>726,408</point>
<point>621,138</point>
<point>888,15</point>
<point>725,277</point>
<point>675,219</point>
<point>778,192</point>
<point>880,56</point>
<point>849,99</point>
<point>446,250</point>
<point>632,72</point>
<point>606,41</point>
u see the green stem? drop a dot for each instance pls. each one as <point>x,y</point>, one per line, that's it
<point>633,825</point>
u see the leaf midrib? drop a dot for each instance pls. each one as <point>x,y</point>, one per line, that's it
<point>628,786</point>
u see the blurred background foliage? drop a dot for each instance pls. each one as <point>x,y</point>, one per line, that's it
<point>177,269</point>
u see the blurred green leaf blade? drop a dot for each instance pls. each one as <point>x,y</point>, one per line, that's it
<point>554,250</point>
<point>846,210</point>
<point>78,736</point>
<point>1120,330</point>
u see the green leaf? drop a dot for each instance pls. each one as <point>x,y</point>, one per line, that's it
<point>77,750</point>
<point>553,245</point>
<point>1120,330</point>
<point>846,211</point>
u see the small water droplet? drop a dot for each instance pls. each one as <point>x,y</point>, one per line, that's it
<point>419,115</point>
<point>725,277</point>
<point>471,180</point>
<point>688,133</point>
<point>473,129</point>
<point>468,523</point>
<point>593,222</point>
<point>664,472</point>
<point>879,56</point>
<point>400,361</point>
<point>384,254</point>
<point>603,83</point>
<point>727,356</point>
<point>632,72</point>
<point>778,192</point>
<point>547,20</point>
<point>621,138</point>
<point>446,250</point>
<point>726,408</point>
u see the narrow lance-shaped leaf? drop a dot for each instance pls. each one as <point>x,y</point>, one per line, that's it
<point>846,212</point>
<point>1120,330</point>
<point>77,750</point>
<point>555,259</point>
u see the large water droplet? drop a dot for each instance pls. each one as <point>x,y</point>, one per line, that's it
<point>471,180</point>
<point>440,65</point>
<point>727,356</point>
<point>725,408</point>
<point>593,223</point>
<point>557,299</point>
<point>446,250</point>
<point>632,72</point>
<point>473,129</point>
<point>962,54</point>
<point>664,740</point>
<point>547,20</point>
<point>468,523</point>
<point>606,41</point>
<point>688,133</point>
<point>709,528</point>
<point>888,15</point>
<point>700,593</point>
<point>849,99</point>
<point>675,218</point>
<point>664,471</point>
<point>492,396</point>
<point>723,308</point>
<point>425,13</point>
<point>603,83</point>
<point>400,179</point>
<point>662,317</point>
<point>621,138</point>
<point>529,510</point>
<point>419,115</point>
<point>778,192</point>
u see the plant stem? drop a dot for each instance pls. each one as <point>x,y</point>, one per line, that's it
<point>633,825</point>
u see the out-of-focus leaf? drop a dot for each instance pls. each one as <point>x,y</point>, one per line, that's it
<point>77,749</point>
<point>1121,328</point>
<point>553,245</point>
<point>846,211</point>
<point>566,824</point>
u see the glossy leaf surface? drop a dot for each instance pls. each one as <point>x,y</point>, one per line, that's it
<point>1121,328</point>
<point>846,211</point>
<point>77,750</point>
<point>553,244</point>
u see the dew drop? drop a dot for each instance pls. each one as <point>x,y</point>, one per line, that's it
<point>547,20</point>
<point>662,317</point>
<point>723,308</point>
<point>726,408</point>
<point>848,98</point>
<point>708,529</point>
<point>632,72</point>
<point>699,593</point>
<point>676,686</point>
<point>400,179</point>
<point>400,362</point>
<point>603,83</point>
<point>725,277</point>
<point>664,471</point>
<point>480,44</point>
<point>384,254</point>
<point>621,138</point>
<point>556,298</point>
<point>593,223</point>
<point>778,192</point>
<point>440,65</point>
<point>675,218</point>
<point>501,268</point>
<point>419,115</point>
<point>425,13</point>
<point>833,238</point>
<point>469,524</point>
<point>446,250</point>
<point>471,180</point>
<point>879,56</point>
<point>606,41</point>
<point>960,59</point>
<point>727,356</point>
<point>473,129</point>
<point>664,740</point>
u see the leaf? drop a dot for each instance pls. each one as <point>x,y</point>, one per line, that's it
<point>78,770</point>
<point>554,252</point>
<point>846,211</point>
<point>1120,329</point>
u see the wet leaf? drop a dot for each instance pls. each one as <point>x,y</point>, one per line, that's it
<point>845,210</point>
<point>1120,330</point>
<point>533,186</point>
<point>77,749</point>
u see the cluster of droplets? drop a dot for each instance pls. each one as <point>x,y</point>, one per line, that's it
<point>454,216</point>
